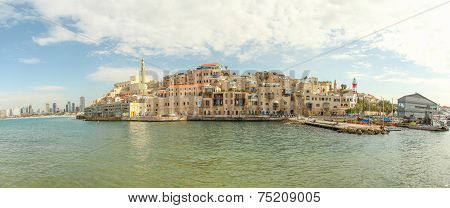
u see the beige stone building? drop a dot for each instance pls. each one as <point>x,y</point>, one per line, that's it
<point>320,98</point>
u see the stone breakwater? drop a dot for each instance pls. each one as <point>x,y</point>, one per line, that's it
<point>236,118</point>
<point>336,126</point>
<point>186,118</point>
<point>341,127</point>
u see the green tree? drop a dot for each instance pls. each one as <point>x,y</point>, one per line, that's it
<point>362,105</point>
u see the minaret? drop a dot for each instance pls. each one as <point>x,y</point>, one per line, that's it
<point>335,87</point>
<point>142,78</point>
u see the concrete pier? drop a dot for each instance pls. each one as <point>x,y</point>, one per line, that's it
<point>341,127</point>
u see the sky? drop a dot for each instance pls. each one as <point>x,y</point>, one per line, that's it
<point>57,51</point>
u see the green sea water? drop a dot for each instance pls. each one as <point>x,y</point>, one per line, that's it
<point>64,152</point>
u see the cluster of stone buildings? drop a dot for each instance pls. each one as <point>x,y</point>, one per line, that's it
<point>213,90</point>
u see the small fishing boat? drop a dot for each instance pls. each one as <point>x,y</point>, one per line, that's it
<point>392,128</point>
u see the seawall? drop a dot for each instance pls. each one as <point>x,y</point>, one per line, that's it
<point>186,118</point>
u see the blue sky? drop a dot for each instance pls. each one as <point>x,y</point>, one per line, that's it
<point>41,62</point>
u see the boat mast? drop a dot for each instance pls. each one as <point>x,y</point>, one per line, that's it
<point>392,115</point>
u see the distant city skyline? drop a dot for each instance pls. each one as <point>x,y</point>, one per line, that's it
<point>47,108</point>
<point>42,62</point>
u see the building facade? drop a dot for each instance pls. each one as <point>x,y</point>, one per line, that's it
<point>213,90</point>
<point>416,106</point>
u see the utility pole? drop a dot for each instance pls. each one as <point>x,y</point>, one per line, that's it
<point>369,112</point>
<point>392,115</point>
<point>383,110</point>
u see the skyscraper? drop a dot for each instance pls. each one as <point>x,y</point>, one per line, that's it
<point>54,108</point>
<point>68,107</point>
<point>73,108</point>
<point>82,103</point>
<point>47,108</point>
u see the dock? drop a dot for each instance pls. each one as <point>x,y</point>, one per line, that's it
<point>341,127</point>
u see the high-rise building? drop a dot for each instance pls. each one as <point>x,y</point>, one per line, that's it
<point>25,111</point>
<point>82,103</point>
<point>72,110</point>
<point>47,108</point>
<point>30,109</point>
<point>67,110</point>
<point>54,108</point>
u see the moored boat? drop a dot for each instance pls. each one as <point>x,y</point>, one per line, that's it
<point>428,127</point>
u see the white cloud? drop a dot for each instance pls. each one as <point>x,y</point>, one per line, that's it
<point>356,74</point>
<point>248,29</point>
<point>112,74</point>
<point>362,65</point>
<point>389,73</point>
<point>9,15</point>
<point>59,34</point>
<point>21,98</point>
<point>29,60</point>
<point>121,74</point>
<point>423,40</point>
<point>232,27</point>
<point>288,59</point>
<point>49,88</point>
<point>342,56</point>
